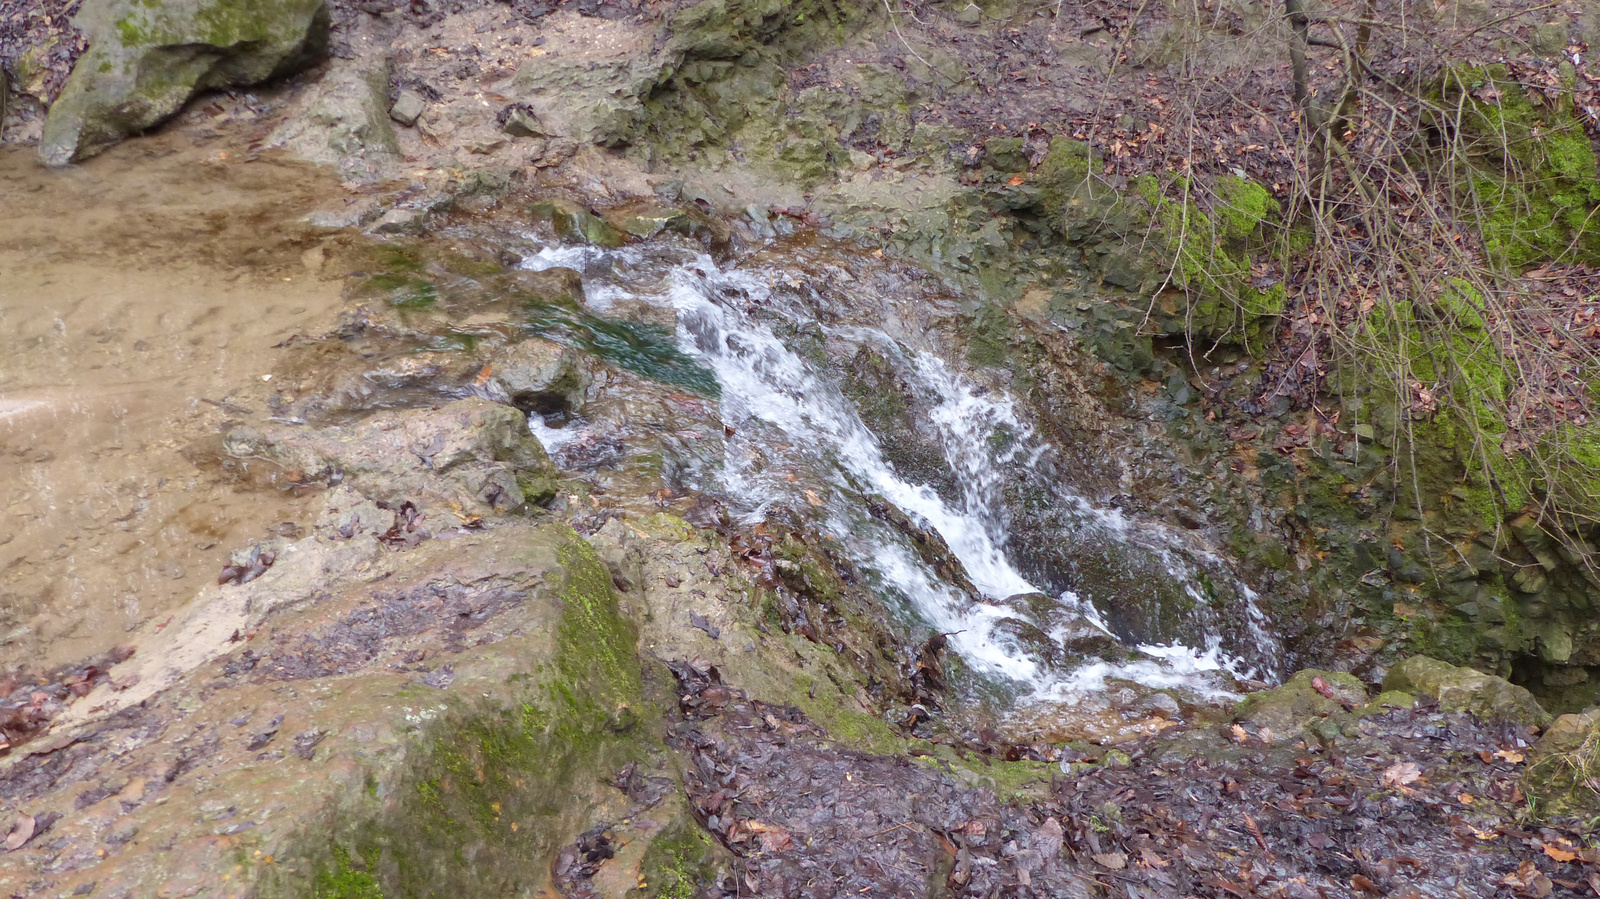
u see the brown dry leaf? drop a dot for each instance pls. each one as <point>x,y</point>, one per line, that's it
<point>1527,879</point>
<point>773,837</point>
<point>1150,859</point>
<point>1466,799</point>
<point>1239,734</point>
<point>21,832</point>
<point>1484,834</point>
<point>1116,861</point>
<point>1510,755</point>
<point>1400,774</point>
<point>812,498</point>
<point>1365,885</point>
<point>1559,854</point>
<point>1406,610</point>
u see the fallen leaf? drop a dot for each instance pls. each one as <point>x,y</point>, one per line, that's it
<point>812,498</point>
<point>1239,734</point>
<point>1559,854</point>
<point>1484,834</point>
<point>1149,859</point>
<point>1321,686</point>
<point>21,832</point>
<point>1116,861</point>
<point>1510,755</point>
<point>1466,799</point>
<point>1401,773</point>
<point>1365,885</point>
<point>773,838</point>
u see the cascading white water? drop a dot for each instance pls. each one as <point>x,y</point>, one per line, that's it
<point>797,441</point>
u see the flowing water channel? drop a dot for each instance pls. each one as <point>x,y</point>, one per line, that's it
<point>797,440</point>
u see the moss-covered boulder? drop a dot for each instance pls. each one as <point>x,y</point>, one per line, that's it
<point>1309,695</point>
<point>1465,690</point>
<point>146,58</point>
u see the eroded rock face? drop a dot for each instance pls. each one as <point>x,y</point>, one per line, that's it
<point>343,121</point>
<point>472,454</point>
<point>146,59</point>
<point>1465,690</point>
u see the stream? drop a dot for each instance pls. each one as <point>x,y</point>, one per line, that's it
<point>797,441</point>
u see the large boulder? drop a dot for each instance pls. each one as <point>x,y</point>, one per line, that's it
<point>146,58</point>
<point>1466,690</point>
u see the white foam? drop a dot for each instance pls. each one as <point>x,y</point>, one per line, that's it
<point>799,443</point>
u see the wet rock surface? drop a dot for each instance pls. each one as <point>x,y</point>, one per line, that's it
<point>471,455</point>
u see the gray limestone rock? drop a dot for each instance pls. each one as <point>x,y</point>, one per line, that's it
<point>342,121</point>
<point>408,107</point>
<point>146,58</point>
<point>470,454</point>
<point>541,376</point>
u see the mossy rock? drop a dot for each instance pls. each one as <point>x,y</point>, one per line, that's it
<point>1299,702</point>
<point>1386,701</point>
<point>1466,690</point>
<point>1563,772</point>
<point>682,859</point>
<point>574,222</point>
<point>1213,238</point>
<point>493,788</point>
<point>146,58</point>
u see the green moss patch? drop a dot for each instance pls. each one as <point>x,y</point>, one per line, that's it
<point>495,787</point>
<point>1528,167</point>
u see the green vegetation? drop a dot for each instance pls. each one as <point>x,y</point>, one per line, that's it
<point>495,788</point>
<point>680,860</point>
<point>1528,171</point>
<point>1213,253</point>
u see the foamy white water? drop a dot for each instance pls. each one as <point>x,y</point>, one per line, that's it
<point>797,441</point>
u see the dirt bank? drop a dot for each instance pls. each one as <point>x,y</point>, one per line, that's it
<point>142,298</point>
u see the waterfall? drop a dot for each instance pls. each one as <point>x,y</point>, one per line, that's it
<point>797,441</point>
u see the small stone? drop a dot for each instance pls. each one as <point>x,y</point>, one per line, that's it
<point>518,120</point>
<point>398,221</point>
<point>971,14</point>
<point>408,107</point>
